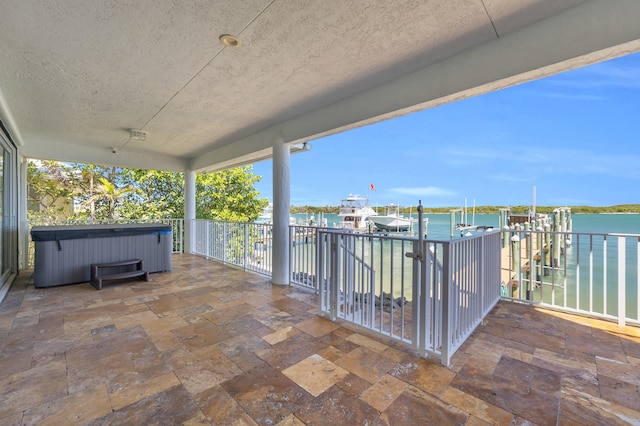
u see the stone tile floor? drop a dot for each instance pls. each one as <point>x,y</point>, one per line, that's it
<point>209,344</point>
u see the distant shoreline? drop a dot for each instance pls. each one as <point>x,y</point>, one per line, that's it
<point>616,209</point>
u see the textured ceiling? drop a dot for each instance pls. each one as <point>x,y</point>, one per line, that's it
<point>77,74</point>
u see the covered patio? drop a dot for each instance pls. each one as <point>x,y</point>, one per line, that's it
<point>211,344</point>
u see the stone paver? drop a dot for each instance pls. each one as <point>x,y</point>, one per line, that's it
<point>210,344</point>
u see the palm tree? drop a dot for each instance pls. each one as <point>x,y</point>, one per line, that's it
<point>108,192</point>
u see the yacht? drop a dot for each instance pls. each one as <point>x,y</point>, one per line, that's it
<point>355,212</point>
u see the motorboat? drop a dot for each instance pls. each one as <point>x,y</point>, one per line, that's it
<point>392,220</point>
<point>355,213</point>
<point>267,215</point>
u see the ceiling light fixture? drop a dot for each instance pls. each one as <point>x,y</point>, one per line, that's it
<point>137,134</point>
<point>229,41</point>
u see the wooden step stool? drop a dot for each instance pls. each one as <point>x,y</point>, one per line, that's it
<point>96,268</point>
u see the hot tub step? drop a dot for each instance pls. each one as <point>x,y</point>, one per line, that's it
<point>97,279</point>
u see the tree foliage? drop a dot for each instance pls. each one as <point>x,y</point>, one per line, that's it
<point>235,198</point>
<point>159,194</point>
<point>51,189</point>
<point>110,194</point>
<point>116,193</point>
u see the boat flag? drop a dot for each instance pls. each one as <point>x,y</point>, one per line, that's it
<point>373,188</point>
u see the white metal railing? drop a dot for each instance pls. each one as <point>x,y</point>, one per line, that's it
<point>370,280</point>
<point>471,269</point>
<point>247,245</point>
<point>430,294</point>
<point>435,300</point>
<point>303,255</point>
<point>589,274</point>
<point>177,228</point>
<point>367,281</point>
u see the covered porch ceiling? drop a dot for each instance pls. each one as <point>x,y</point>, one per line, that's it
<point>76,75</point>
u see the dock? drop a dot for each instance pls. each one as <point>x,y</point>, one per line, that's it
<point>532,250</point>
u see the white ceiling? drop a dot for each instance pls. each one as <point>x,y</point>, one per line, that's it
<point>77,74</point>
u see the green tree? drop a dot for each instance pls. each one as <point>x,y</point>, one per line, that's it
<point>51,188</point>
<point>225,195</point>
<point>229,195</point>
<point>113,192</point>
<point>108,192</point>
<point>94,205</point>
<point>159,194</point>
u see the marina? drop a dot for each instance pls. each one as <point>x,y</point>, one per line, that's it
<point>573,265</point>
<point>430,290</point>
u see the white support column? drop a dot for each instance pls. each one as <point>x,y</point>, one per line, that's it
<point>189,210</point>
<point>23,223</point>
<point>281,207</point>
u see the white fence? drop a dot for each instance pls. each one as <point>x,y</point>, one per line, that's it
<point>177,228</point>
<point>247,245</point>
<point>250,246</point>
<point>589,274</point>
<point>431,295</point>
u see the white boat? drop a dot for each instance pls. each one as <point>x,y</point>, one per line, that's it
<point>392,220</point>
<point>267,215</point>
<point>354,213</point>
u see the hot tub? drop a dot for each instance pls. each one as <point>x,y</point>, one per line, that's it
<point>64,254</point>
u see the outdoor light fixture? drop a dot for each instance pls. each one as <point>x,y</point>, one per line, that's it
<point>229,41</point>
<point>137,134</point>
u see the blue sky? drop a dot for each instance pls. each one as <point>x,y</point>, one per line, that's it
<point>575,136</point>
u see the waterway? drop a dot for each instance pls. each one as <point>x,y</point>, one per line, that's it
<point>439,227</point>
<point>590,261</point>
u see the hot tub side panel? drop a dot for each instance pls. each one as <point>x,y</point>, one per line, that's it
<point>72,264</point>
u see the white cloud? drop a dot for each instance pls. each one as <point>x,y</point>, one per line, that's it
<point>425,191</point>
<point>504,177</point>
<point>532,161</point>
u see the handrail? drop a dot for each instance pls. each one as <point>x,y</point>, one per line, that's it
<point>368,279</point>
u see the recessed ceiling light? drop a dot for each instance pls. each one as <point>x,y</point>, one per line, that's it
<point>229,40</point>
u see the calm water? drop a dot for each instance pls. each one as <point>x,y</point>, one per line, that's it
<point>439,224</point>
<point>586,257</point>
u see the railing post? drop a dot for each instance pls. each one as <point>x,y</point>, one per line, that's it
<point>516,262</point>
<point>419,291</point>
<point>319,272</point>
<point>334,277</point>
<point>445,355</point>
<point>417,329</point>
<point>207,239</point>
<point>482,281</point>
<point>622,281</point>
<point>245,254</point>
<point>224,242</point>
<point>292,244</point>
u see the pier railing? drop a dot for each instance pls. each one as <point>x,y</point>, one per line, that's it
<point>588,274</point>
